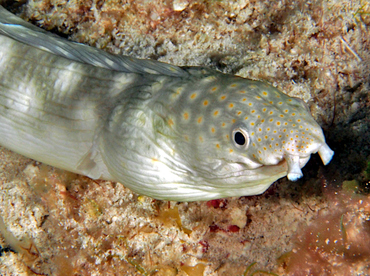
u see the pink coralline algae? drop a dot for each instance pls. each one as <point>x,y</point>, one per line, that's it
<point>337,242</point>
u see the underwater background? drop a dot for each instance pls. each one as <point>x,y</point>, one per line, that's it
<point>57,223</point>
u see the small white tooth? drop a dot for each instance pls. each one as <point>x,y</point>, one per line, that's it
<point>294,170</point>
<point>326,154</point>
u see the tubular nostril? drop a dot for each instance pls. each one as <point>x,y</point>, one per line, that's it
<point>326,154</point>
<point>294,170</point>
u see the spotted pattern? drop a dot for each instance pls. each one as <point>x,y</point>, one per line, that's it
<point>276,124</point>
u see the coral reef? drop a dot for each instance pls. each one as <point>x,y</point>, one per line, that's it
<point>64,224</point>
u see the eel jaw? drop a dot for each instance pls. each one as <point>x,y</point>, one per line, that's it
<point>293,162</point>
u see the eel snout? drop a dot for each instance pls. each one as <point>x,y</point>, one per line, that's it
<point>294,162</point>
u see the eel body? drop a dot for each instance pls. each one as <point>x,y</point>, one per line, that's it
<point>176,133</point>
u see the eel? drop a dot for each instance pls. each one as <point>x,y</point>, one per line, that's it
<point>168,132</point>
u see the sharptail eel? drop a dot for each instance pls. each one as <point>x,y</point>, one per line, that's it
<point>168,132</point>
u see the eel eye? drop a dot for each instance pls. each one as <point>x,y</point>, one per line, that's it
<point>240,138</point>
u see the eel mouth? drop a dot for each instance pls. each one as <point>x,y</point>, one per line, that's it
<point>296,162</point>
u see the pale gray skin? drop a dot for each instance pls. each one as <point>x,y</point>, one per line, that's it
<point>168,132</point>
